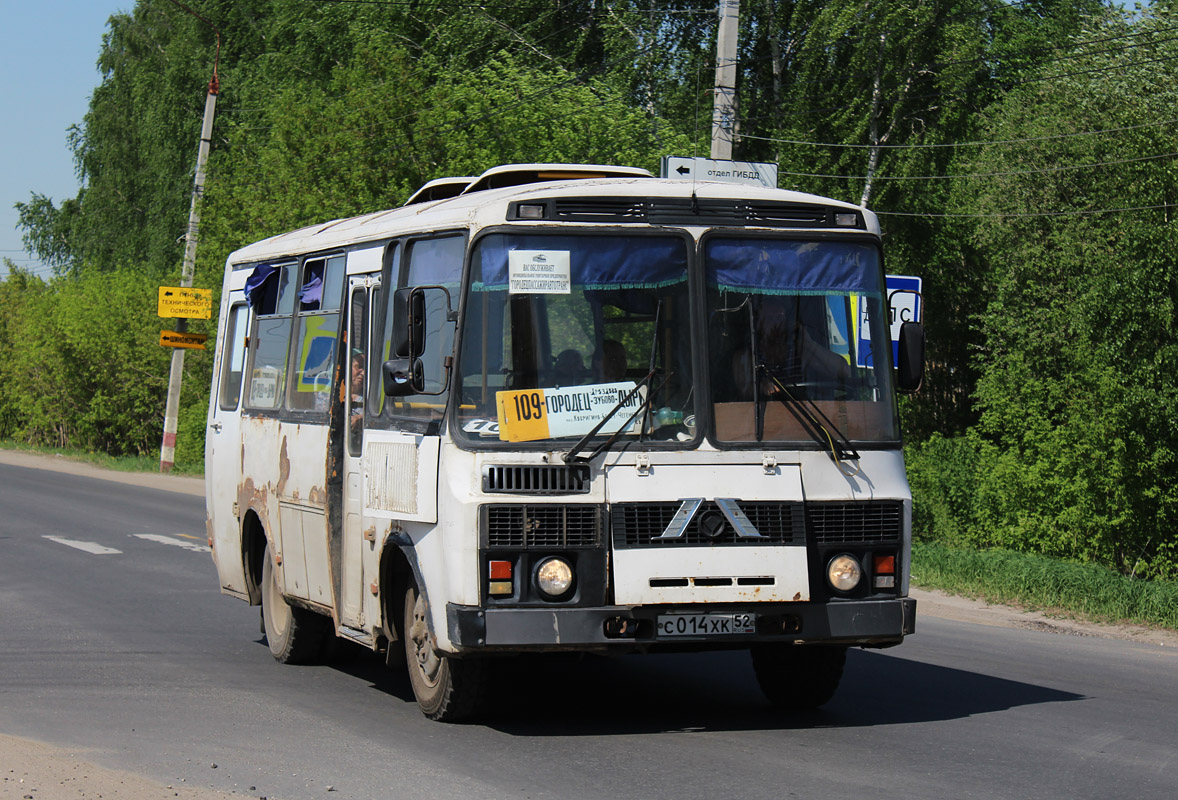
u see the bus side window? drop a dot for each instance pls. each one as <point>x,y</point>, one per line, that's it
<point>233,357</point>
<point>357,361</point>
<point>431,262</point>
<point>316,331</point>
<point>269,345</point>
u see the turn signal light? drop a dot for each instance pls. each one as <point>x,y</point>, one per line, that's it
<point>500,574</point>
<point>885,565</point>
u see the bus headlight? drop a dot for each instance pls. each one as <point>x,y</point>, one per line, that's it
<point>844,572</point>
<point>554,578</point>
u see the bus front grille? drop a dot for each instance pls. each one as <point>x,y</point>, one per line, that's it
<point>552,526</point>
<point>643,525</point>
<point>855,523</point>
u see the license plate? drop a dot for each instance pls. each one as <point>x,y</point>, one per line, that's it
<point>706,624</point>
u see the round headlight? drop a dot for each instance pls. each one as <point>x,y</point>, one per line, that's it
<point>844,572</point>
<point>554,577</point>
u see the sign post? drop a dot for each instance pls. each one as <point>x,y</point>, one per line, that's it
<point>748,173</point>
<point>904,304</point>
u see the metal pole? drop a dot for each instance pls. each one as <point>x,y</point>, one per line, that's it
<point>724,105</point>
<point>176,374</point>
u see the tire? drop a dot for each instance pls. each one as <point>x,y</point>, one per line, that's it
<point>447,689</point>
<point>294,635</point>
<point>798,677</point>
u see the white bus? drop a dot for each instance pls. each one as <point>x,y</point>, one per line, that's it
<point>566,408</point>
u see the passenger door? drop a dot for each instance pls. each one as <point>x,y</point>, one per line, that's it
<point>223,445</point>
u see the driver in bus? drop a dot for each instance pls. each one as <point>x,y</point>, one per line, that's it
<point>788,351</point>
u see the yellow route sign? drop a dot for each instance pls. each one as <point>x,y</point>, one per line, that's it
<point>191,341</point>
<point>189,303</point>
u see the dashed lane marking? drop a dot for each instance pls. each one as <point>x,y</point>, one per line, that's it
<point>89,547</point>
<point>155,537</point>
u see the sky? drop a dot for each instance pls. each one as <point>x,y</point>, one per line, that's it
<point>48,62</point>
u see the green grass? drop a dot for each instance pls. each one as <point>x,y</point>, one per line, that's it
<point>120,463</point>
<point>1047,584</point>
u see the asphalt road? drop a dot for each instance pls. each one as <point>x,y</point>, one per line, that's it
<point>114,640</point>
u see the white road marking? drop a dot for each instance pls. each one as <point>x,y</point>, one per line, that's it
<point>155,537</point>
<point>89,547</point>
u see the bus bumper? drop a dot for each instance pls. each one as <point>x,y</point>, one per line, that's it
<point>868,623</point>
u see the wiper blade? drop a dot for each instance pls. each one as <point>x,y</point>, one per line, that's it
<point>572,457</point>
<point>813,421</point>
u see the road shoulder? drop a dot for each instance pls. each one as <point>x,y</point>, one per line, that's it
<point>151,480</point>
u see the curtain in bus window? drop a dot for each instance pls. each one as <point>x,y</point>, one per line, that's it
<point>598,262</point>
<point>778,266</point>
<point>261,289</point>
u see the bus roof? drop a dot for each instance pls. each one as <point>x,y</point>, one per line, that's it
<point>485,201</point>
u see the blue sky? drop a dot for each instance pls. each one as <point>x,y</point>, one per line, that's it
<point>48,62</point>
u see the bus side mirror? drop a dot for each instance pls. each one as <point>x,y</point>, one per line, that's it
<point>403,376</point>
<point>408,323</point>
<point>910,365</point>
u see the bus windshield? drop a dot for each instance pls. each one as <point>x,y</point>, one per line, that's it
<point>561,330</point>
<point>798,341</point>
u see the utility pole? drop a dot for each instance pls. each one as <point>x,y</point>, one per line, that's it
<point>176,374</point>
<point>724,105</point>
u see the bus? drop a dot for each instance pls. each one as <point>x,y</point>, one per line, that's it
<point>567,408</point>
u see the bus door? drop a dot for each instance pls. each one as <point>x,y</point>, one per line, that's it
<point>354,541</point>
<point>223,442</point>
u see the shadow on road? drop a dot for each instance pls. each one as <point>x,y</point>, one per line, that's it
<point>558,695</point>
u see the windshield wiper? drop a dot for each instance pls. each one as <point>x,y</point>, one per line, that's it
<point>571,456</point>
<point>813,421</point>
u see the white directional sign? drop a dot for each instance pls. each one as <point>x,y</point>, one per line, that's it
<point>749,173</point>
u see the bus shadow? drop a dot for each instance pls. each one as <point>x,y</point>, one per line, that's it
<point>585,695</point>
<point>560,696</point>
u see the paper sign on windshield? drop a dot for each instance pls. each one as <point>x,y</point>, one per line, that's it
<point>529,414</point>
<point>539,272</point>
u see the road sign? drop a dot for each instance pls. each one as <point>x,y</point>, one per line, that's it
<point>748,173</point>
<point>190,341</point>
<point>904,301</point>
<point>189,303</point>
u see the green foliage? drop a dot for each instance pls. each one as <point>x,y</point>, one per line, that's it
<point>1047,422</point>
<point>80,363</point>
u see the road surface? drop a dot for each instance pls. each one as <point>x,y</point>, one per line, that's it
<point>116,648</point>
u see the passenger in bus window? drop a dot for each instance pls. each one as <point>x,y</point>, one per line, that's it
<point>357,384</point>
<point>569,368</point>
<point>610,361</point>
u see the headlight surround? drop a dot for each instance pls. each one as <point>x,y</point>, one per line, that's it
<point>844,572</point>
<point>554,578</point>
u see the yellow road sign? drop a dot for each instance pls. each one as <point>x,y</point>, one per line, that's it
<point>189,303</point>
<point>191,341</point>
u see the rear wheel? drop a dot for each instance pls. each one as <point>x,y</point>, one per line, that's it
<point>447,689</point>
<point>294,635</point>
<point>798,677</point>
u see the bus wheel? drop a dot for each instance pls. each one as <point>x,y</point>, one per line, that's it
<point>447,689</point>
<point>798,677</point>
<point>294,635</point>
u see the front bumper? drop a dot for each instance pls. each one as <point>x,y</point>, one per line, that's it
<point>870,623</point>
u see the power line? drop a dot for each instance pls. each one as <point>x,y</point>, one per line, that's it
<point>1044,170</point>
<point>1076,212</point>
<point>980,143</point>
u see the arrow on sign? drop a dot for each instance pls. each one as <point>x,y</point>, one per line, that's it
<point>684,170</point>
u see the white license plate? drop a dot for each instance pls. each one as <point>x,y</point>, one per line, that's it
<point>706,624</point>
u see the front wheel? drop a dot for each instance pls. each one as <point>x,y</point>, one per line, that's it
<point>798,677</point>
<point>447,689</point>
<point>294,635</point>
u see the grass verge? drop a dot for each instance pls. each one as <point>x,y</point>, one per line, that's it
<point>1045,584</point>
<point>119,463</point>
